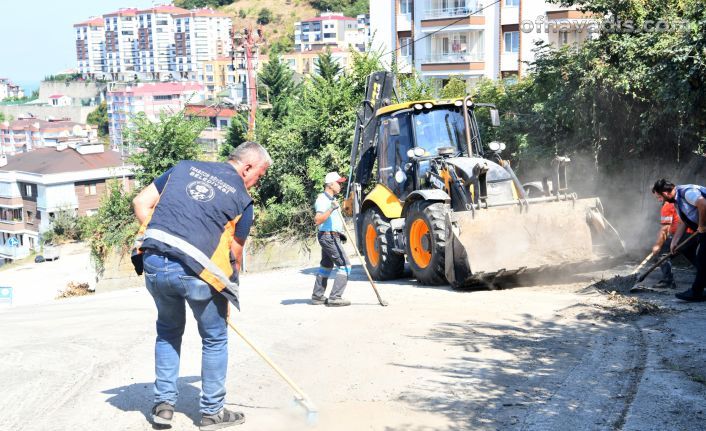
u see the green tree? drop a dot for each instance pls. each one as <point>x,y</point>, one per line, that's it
<point>99,118</point>
<point>237,134</point>
<point>113,227</point>
<point>162,144</point>
<point>414,87</point>
<point>278,86</point>
<point>327,67</point>
<point>264,17</point>
<point>454,88</point>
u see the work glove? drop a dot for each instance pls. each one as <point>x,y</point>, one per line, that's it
<point>334,205</point>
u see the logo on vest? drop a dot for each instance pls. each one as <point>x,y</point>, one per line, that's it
<point>200,191</point>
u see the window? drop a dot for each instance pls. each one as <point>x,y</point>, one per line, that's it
<point>406,46</point>
<point>512,3</point>
<point>512,41</point>
<point>327,35</point>
<point>406,6</point>
<point>30,217</point>
<point>89,189</point>
<point>209,68</point>
<point>563,38</point>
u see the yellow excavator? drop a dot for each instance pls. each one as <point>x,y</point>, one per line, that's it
<point>424,186</point>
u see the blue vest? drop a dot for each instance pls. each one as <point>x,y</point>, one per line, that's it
<point>687,212</point>
<point>194,221</point>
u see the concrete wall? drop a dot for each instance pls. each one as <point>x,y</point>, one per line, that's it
<point>73,113</point>
<point>119,273</point>
<point>74,89</point>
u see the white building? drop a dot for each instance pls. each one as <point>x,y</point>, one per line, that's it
<point>160,43</point>
<point>467,38</point>
<point>36,186</point>
<point>126,100</point>
<point>120,44</point>
<point>329,29</point>
<point>8,89</point>
<point>155,42</point>
<point>90,46</point>
<point>201,35</point>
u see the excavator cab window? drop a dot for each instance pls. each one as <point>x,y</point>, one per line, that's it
<point>395,139</point>
<point>439,128</point>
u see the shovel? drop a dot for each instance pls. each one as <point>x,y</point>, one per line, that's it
<point>660,261</point>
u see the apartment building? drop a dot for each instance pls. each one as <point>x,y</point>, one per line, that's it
<point>120,44</point>
<point>227,74</point>
<point>27,134</point>
<point>125,100</point>
<point>155,42</point>
<point>38,185</point>
<point>306,63</point>
<point>471,39</point>
<point>8,89</point>
<point>201,35</point>
<point>90,46</point>
<point>161,43</point>
<point>330,29</point>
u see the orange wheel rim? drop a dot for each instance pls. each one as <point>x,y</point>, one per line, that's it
<point>420,254</point>
<point>370,250</point>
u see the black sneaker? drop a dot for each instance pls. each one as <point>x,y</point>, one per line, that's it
<point>337,302</point>
<point>224,418</point>
<point>162,413</point>
<point>318,300</point>
<point>689,295</point>
<point>666,284</point>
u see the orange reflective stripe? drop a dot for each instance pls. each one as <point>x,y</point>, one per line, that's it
<point>221,256</point>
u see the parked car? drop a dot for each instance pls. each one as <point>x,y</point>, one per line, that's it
<point>38,258</point>
<point>51,252</point>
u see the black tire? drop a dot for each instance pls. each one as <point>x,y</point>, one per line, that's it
<point>425,241</point>
<point>382,262</point>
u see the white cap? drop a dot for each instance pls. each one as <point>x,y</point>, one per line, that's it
<point>333,177</point>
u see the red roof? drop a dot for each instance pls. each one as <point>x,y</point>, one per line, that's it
<point>93,22</point>
<point>202,12</point>
<point>122,12</point>
<point>209,111</point>
<point>56,96</point>
<point>167,8</point>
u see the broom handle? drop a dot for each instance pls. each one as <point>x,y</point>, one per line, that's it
<point>668,256</point>
<point>269,362</point>
<point>362,260</point>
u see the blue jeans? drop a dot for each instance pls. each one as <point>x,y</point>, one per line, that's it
<point>171,284</point>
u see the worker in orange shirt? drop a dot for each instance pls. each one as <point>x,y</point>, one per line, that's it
<point>669,219</point>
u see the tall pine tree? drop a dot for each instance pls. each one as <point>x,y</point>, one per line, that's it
<point>278,86</point>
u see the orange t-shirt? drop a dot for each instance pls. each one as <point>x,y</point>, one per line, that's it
<point>670,216</point>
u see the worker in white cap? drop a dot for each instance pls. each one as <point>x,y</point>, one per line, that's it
<point>330,234</point>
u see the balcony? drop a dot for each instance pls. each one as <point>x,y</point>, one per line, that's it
<point>454,62</point>
<point>454,58</point>
<point>404,22</point>
<point>509,61</point>
<point>436,10</point>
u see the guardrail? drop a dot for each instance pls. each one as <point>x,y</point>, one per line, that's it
<point>453,12</point>
<point>14,253</point>
<point>465,57</point>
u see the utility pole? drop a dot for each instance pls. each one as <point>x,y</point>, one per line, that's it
<point>249,44</point>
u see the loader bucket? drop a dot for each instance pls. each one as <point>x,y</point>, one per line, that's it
<point>507,240</point>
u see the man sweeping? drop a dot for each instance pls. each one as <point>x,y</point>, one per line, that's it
<point>690,202</point>
<point>195,220</point>
<point>333,258</point>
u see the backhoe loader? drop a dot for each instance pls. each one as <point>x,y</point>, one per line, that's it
<point>423,186</point>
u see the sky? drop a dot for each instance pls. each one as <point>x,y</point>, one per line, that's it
<point>37,37</point>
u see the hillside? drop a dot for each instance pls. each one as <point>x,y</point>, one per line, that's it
<point>284,14</point>
<point>279,16</point>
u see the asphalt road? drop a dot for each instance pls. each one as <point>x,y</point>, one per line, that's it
<point>552,357</point>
